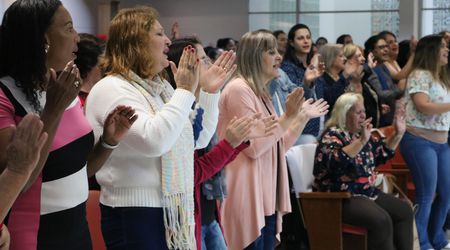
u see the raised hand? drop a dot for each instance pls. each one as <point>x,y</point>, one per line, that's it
<point>351,69</point>
<point>188,72</point>
<point>117,124</point>
<point>313,71</point>
<point>64,88</point>
<point>312,109</point>
<point>175,30</point>
<point>218,73</point>
<point>293,103</point>
<point>262,127</point>
<point>5,238</point>
<point>238,130</point>
<point>371,62</point>
<point>366,127</point>
<point>399,117</point>
<point>413,44</point>
<point>24,150</point>
<point>385,109</point>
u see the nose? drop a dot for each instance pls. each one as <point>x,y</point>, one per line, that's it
<point>277,55</point>
<point>77,37</point>
<point>167,40</point>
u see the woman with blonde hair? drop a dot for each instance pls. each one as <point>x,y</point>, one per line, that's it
<point>362,81</point>
<point>257,181</point>
<point>424,146</point>
<point>346,158</point>
<point>147,186</point>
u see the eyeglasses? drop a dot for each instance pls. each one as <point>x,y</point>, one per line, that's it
<point>382,46</point>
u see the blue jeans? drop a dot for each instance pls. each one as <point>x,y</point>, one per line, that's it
<point>429,163</point>
<point>267,239</point>
<point>126,228</point>
<point>212,237</point>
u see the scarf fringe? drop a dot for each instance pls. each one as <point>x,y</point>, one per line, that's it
<point>180,228</point>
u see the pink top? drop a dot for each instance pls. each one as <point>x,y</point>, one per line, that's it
<point>254,191</point>
<point>24,216</point>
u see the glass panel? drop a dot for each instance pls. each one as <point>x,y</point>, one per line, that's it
<point>346,5</point>
<point>272,5</point>
<point>436,4</point>
<point>435,21</point>
<point>332,25</point>
<point>271,21</point>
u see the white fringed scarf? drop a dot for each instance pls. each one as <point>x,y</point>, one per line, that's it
<point>177,176</point>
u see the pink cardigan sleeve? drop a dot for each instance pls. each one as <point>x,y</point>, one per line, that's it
<point>239,100</point>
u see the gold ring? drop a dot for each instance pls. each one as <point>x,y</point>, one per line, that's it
<point>190,67</point>
<point>77,84</point>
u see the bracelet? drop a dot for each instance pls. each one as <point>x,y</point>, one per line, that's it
<point>106,145</point>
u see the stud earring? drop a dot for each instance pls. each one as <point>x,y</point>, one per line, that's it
<point>46,48</point>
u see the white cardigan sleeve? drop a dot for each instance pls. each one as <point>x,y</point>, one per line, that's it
<point>210,104</point>
<point>152,134</point>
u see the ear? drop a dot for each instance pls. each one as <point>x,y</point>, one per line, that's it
<point>47,40</point>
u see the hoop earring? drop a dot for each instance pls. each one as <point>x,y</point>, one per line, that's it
<point>46,48</point>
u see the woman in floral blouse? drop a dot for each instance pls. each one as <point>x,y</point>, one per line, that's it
<point>424,146</point>
<point>346,158</point>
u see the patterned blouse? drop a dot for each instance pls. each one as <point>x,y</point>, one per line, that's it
<point>335,171</point>
<point>421,81</point>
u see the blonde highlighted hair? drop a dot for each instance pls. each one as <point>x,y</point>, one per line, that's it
<point>350,50</point>
<point>249,58</point>
<point>127,46</point>
<point>343,104</point>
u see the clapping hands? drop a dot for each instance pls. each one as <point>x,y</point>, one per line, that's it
<point>218,73</point>
<point>62,89</point>
<point>117,124</point>
<point>313,109</point>
<point>188,72</point>
<point>313,71</point>
<point>24,150</point>
<point>249,127</point>
<point>399,117</point>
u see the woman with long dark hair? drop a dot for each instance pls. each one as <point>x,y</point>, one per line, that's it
<point>424,146</point>
<point>37,41</point>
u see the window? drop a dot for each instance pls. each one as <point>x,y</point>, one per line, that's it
<point>435,16</point>
<point>328,18</point>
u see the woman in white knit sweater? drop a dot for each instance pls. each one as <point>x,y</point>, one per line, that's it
<point>147,183</point>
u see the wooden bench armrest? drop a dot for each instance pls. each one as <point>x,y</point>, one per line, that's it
<point>322,215</point>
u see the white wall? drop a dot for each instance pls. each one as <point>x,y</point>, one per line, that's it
<point>83,12</point>
<point>208,19</point>
<point>213,19</point>
<point>84,15</point>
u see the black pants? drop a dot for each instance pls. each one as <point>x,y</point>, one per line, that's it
<point>389,221</point>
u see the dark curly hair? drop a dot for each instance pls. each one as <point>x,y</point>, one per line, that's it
<point>90,48</point>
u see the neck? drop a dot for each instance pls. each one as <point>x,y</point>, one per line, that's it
<point>334,73</point>
<point>301,57</point>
